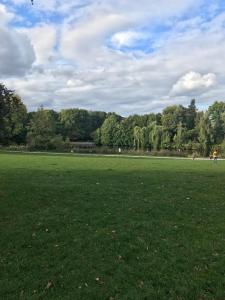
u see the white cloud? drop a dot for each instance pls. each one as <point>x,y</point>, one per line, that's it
<point>193,82</point>
<point>76,65</point>
<point>43,39</point>
<point>16,52</point>
<point>126,38</point>
<point>85,41</point>
<point>5,16</point>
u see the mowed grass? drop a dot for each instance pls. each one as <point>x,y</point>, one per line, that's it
<point>111,228</point>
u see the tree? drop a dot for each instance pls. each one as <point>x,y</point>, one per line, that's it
<point>154,118</point>
<point>13,116</point>
<point>137,137</point>
<point>191,113</point>
<point>166,140</point>
<point>177,127</point>
<point>129,132</point>
<point>96,119</point>
<point>216,117</point>
<point>108,131</point>
<point>97,137</point>
<point>205,134</point>
<point>42,133</point>
<point>144,137</point>
<point>155,136</point>
<point>79,124</point>
<point>171,117</point>
<point>74,123</point>
<point>180,136</point>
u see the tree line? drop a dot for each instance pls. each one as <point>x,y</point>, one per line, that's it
<point>176,128</point>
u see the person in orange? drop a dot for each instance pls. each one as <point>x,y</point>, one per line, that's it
<point>215,155</point>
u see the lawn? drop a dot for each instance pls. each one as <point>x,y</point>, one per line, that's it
<point>106,228</point>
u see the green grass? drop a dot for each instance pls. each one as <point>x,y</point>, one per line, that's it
<point>111,228</point>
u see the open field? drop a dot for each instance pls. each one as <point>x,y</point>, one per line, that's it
<point>111,228</point>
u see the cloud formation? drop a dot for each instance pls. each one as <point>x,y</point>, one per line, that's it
<point>79,41</point>
<point>124,56</point>
<point>16,52</point>
<point>193,82</point>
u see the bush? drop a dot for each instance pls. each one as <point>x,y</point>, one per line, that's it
<point>222,149</point>
<point>37,142</point>
<point>15,148</point>
<point>56,143</point>
<point>46,143</point>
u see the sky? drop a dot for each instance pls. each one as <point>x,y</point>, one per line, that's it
<point>125,56</point>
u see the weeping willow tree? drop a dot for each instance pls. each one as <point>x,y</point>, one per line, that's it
<point>179,138</point>
<point>205,136</point>
<point>137,137</point>
<point>155,136</point>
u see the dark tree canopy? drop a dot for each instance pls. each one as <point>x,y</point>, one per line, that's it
<point>13,117</point>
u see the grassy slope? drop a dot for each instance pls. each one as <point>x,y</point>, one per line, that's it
<point>111,228</point>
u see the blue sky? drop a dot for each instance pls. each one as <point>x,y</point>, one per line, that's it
<point>123,55</point>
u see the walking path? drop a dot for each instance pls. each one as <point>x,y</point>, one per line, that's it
<point>109,155</point>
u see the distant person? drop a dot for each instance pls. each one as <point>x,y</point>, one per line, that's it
<point>215,155</point>
<point>120,150</point>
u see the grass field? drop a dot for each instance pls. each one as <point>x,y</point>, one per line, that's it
<point>111,228</point>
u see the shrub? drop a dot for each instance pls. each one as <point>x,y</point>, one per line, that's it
<point>222,149</point>
<point>15,148</point>
<point>56,143</point>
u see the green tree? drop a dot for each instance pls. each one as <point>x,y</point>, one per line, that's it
<point>42,132</point>
<point>108,130</point>
<point>154,118</point>
<point>119,138</point>
<point>13,117</point>
<point>155,136</point>
<point>216,117</point>
<point>171,117</point>
<point>96,119</point>
<point>191,114</point>
<point>144,138</point>
<point>128,128</point>
<point>137,137</point>
<point>80,124</point>
<point>97,137</point>
<point>166,140</point>
<point>75,123</point>
<point>204,129</point>
<point>180,136</point>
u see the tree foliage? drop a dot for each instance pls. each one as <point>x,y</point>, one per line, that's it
<point>13,116</point>
<point>176,128</point>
